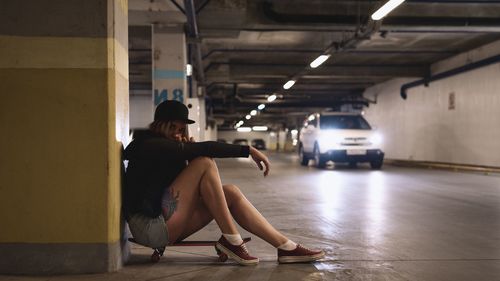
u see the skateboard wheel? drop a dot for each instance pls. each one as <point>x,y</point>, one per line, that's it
<point>155,257</point>
<point>218,251</point>
<point>222,257</point>
<point>160,251</point>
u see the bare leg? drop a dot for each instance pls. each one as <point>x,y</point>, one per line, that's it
<point>250,218</point>
<point>199,179</point>
<point>243,212</point>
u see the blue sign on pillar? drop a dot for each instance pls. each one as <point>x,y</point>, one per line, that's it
<point>162,96</point>
<point>159,97</point>
<point>178,95</point>
<point>172,80</point>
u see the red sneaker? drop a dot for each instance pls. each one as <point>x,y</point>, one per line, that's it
<point>238,253</point>
<point>300,254</point>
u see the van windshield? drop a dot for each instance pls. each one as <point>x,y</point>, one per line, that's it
<point>353,122</point>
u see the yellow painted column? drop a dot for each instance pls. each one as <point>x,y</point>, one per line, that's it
<point>63,118</point>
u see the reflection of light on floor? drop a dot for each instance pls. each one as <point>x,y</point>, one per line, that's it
<point>376,208</point>
<point>330,187</point>
<point>332,266</point>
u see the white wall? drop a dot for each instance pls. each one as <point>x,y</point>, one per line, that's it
<point>424,128</point>
<point>141,111</point>
<point>196,107</point>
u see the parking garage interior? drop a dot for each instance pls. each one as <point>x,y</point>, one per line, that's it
<point>79,78</point>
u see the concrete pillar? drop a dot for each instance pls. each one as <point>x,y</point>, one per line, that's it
<point>169,75</point>
<point>169,62</point>
<point>63,118</point>
<point>141,100</point>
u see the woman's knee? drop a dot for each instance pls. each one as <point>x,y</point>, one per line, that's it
<point>232,193</point>
<point>202,161</point>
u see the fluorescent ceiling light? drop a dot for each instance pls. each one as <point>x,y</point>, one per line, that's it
<point>271,98</point>
<point>259,128</point>
<point>253,112</point>
<point>238,124</point>
<point>244,129</point>
<point>387,8</point>
<point>318,61</point>
<point>261,106</point>
<point>189,70</point>
<point>248,116</point>
<point>288,84</point>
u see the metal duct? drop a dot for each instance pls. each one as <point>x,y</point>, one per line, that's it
<point>449,73</point>
<point>195,39</point>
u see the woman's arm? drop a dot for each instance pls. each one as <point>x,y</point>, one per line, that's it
<point>261,160</point>
<point>157,148</point>
<point>160,148</point>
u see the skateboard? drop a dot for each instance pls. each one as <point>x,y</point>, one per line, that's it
<point>158,252</point>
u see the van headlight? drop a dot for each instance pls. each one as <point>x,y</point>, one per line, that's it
<point>329,140</point>
<point>376,139</point>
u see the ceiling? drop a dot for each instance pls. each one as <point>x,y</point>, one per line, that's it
<point>245,50</point>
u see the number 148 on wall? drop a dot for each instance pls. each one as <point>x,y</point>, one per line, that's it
<point>162,95</point>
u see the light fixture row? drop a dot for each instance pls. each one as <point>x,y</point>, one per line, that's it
<point>253,112</point>
<point>378,15</point>
<point>254,128</point>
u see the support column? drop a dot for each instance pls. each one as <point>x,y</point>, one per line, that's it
<point>169,63</point>
<point>64,117</point>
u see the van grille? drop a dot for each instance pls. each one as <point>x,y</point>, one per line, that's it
<point>355,141</point>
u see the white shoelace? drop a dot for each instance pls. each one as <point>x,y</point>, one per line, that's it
<point>245,248</point>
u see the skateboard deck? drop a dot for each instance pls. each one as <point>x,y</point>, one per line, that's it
<point>158,252</point>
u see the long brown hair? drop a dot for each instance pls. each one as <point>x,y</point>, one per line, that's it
<point>162,127</point>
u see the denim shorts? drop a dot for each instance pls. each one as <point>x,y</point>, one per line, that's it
<point>149,232</point>
<point>153,232</point>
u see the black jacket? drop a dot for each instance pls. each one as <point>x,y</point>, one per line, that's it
<point>153,164</point>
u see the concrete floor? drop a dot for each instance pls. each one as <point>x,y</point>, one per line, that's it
<point>393,224</point>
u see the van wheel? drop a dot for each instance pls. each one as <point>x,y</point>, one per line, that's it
<point>318,158</point>
<point>376,165</point>
<point>304,160</point>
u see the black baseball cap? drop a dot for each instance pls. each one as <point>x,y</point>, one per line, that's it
<point>172,110</point>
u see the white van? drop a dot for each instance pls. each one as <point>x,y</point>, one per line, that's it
<point>339,137</point>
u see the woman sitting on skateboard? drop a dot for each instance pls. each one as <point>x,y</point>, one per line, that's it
<point>173,189</point>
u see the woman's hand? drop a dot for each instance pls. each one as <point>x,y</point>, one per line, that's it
<point>181,138</point>
<point>260,159</point>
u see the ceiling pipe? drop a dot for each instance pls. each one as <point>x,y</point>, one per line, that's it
<point>364,34</point>
<point>449,73</point>
<point>202,6</point>
<point>178,6</point>
<point>368,30</point>
<point>216,63</point>
<point>318,103</point>
<point>360,52</point>
<point>194,35</point>
<point>393,20</point>
<point>222,50</point>
<point>455,1</point>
